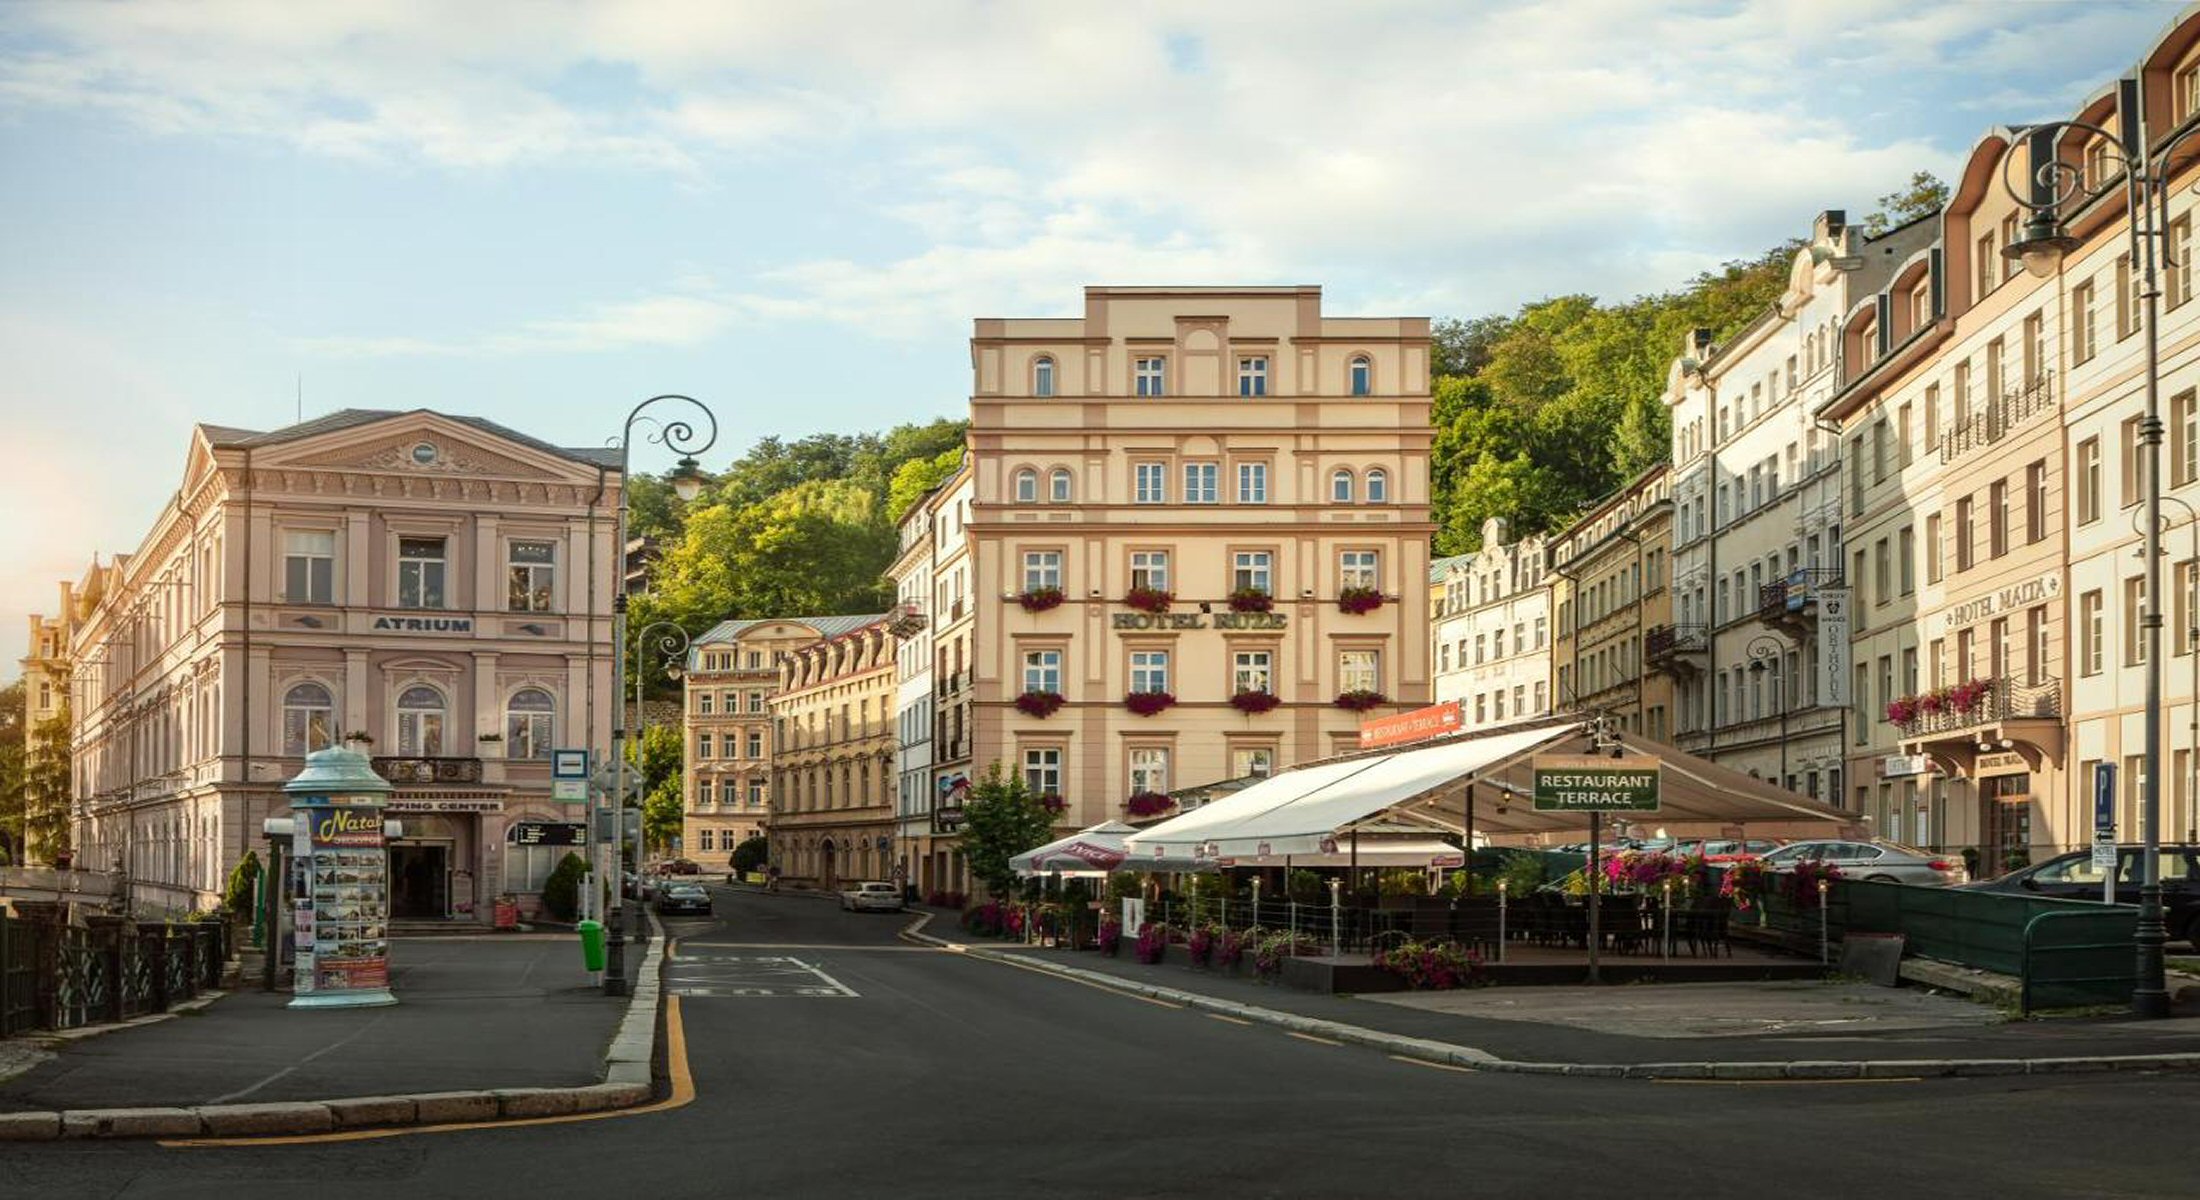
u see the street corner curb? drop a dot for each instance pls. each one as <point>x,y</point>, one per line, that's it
<point>450,1108</point>
<point>250,1120</point>
<point>1749,1070</point>
<point>30,1126</point>
<point>1670,1070</point>
<point>604,1097</point>
<point>368,1112</point>
<point>129,1122</point>
<point>535,1102</point>
<point>1825,1070</point>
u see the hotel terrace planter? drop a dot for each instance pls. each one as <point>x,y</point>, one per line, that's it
<point>1251,600</point>
<point>1039,704</point>
<point>1148,600</point>
<point>1038,600</point>
<point>1255,703</point>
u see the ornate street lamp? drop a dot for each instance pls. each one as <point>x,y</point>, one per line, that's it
<point>687,483</point>
<point>2041,248</point>
<point>1764,652</point>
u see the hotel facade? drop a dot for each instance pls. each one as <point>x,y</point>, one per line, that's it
<point>434,587</point>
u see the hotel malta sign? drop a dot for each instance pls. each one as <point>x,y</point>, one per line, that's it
<point>2000,603</point>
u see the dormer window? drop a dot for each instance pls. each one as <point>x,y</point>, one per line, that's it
<point>1042,376</point>
<point>1027,486</point>
<point>1362,375</point>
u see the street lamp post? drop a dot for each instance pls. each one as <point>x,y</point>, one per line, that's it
<point>2041,247</point>
<point>682,437</point>
<point>1764,650</point>
<point>2191,633</point>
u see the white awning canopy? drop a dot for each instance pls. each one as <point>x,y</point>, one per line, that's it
<point>1096,851</point>
<point>1312,810</point>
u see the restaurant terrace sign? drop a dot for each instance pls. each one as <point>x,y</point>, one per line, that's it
<point>1197,620</point>
<point>1596,783</point>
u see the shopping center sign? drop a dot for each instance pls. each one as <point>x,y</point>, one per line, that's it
<point>1596,783</point>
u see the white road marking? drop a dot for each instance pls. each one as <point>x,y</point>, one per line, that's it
<point>720,975</point>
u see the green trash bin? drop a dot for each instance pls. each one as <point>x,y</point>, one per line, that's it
<point>591,944</point>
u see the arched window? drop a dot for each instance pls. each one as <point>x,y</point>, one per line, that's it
<point>1042,376</point>
<point>309,719</point>
<point>1027,486</point>
<point>1058,485</point>
<point>420,722</point>
<point>1340,486</point>
<point>1363,375</point>
<point>1378,486</point>
<point>527,721</point>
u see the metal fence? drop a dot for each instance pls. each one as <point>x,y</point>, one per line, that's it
<point>60,976</point>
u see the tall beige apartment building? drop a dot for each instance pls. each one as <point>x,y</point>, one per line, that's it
<point>1491,616</point>
<point>437,586</point>
<point>1252,472</point>
<point>47,672</point>
<point>835,773</point>
<point>1611,574</point>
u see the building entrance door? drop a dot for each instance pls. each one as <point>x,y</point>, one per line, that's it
<point>420,881</point>
<point>2007,802</point>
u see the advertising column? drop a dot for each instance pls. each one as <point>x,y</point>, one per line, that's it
<point>343,910</point>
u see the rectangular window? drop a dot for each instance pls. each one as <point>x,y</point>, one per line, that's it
<point>756,702</point>
<point>1150,569</point>
<point>1042,569</point>
<point>1988,272</point>
<point>2082,339</point>
<point>1151,484</point>
<point>1901,437</point>
<point>1252,671</point>
<point>2184,438</point>
<point>1201,483</point>
<point>1997,518</point>
<point>2091,635</point>
<point>2036,647</point>
<point>1043,671</point>
<point>2185,588</point>
<point>1883,583</point>
<point>1149,670</point>
<point>2035,349</point>
<point>1932,548</point>
<point>2177,272</point>
<point>309,566</point>
<point>1906,559</point>
<point>703,703</point>
<point>1151,373</point>
<point>1963,534</point>
<point>2128,304</point>
<point>2035,501</point>
<point>1252,570</point>
<point>1043,771</point>
<point>703,746</point>
<point>2134,462</point>
<point>1936,655</point>
<point>1360,671</point>
<point>1252,483</point>
<point>2089,481</point>
<point>1932,415</point>
<point>420,567</point>
<point>532,576</point>
<point>2135,599</point>
<point>1253,376</point>
<point>2008,235</point>
<point>1252,762</point>
<point>1356,569</point>
<point>756,743</point>
<point>1149,770</point>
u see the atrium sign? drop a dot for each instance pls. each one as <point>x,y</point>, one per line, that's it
<point>423,624</point>
<point>1196,620</point>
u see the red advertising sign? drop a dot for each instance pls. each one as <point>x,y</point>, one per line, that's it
<point>1434,721</point>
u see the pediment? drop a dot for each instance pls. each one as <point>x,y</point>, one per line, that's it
<point>423,444</point>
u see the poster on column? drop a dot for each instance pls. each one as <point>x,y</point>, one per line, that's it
<point>1833,647</point>
<point>350,899</point>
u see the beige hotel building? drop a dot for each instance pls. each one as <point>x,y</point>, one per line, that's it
<point>438,584</point>
<point>1200,444</point>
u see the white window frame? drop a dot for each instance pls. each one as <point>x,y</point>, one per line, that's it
<point>317,565</point>
<point>1252,671</point>
<point>1341,487</point>
<point>1042,569</point>
<point>1359,568</point>
<point>1042,670</point>
<point>1361,670</point>
<point>1150,483</point>
<point>1149,769</point>
<point>1247,566</point>
<point>422,731</point>
<point>530,732</point>
<point>1042,375</point>
<point>1043,770</point>
<point>1252,483</point>
<point>1360,375</point>
<point>1026,486</point>
<point>1150,376</point>
<point>1060,488</point>
<point>1253,376</point>
<point>301,733</point>
<point>1202,483</point>
<point>1378,486</point>
<point>539,591</point>
<point>422,578</point>
<point>1150,569</point>
<point>1149,670</point>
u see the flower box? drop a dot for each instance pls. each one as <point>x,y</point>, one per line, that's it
<point>1251,600</point>
<point>1146,599</point>
<point>1039,704</point>
<point>1040,599</point>
<point>1360,700</point>
<point>1356,600</point>
<point>1053,803</point>
<point>1148,804</point>
<point>1146,704</point>
<point>1254,703</point>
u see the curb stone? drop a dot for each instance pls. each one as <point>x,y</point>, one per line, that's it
<point>1450,1054</point>
<point>626,1083</point>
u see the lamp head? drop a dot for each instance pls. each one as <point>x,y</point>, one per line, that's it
<point>687,479</point>
<point>2042,245</point>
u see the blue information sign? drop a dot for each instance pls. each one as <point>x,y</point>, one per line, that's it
<point>2104,799</point>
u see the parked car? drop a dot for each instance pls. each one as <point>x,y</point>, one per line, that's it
<point>871,896</point>
<point>682,866</point>
<point>1726,850</point>
<point>2073,876</point>
<point>1879,861</point>
<point>683,898</point>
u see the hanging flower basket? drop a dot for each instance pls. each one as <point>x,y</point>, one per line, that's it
<point>1254,703</point>
<point>1360,700</point>
<point>1053,803</point>
<point>1251,600</point>
<point>1146,599</point>
<point>1148,804</point>
<point>1040,599</point>
<point>1146,704</point>
<point>1356,600</point>
<point>1932,702</point>
<point>1039,704</point>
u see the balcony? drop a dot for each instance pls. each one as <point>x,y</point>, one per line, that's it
<point>1960,722</point>
<point>2002,415</point>
<point>1791,605</point>
<point>415,772</point>
<point>1668,649</point>
<point>905,620</point>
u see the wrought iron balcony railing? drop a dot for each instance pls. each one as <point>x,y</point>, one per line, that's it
<point>2001,415</point>
<point>1795,595</point>
<point>1952,709</point>
<point>1662,641</point>
<point>428,770</point>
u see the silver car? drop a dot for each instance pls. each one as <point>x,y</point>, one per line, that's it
<point>1877,861</point>
<point>871,896</point>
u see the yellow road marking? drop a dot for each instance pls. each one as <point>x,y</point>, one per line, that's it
<point>1422,1062</point>
<point>1231,1020</point>
<point>1308,1037</point>
<point>1777,1082</point>
<point>676,1064</point>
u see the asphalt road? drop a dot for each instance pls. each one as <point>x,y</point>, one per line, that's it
<point>829,1059</point>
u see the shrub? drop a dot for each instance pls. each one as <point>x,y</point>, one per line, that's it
<point>989,919</point>
<point>750,854</point>
<point>1230,948</point>
<point>1401,883</point>
<point>1802,882</point>
<point>1433,965</point>
<point>1270,949</point>
<point>237,896</point>
<point>1124,885</point>
<point>1202,945</point>
<point>1305,886</point>
<point>1522,872</point>
<point>561,892</point>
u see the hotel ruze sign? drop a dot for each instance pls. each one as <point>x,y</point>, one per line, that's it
<point>1196,620</point>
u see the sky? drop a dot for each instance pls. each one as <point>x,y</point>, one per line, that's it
<point>543,212</point>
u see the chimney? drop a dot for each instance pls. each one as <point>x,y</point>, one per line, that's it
<point>1827,228</point>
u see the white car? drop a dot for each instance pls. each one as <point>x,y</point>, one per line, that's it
<point>871,897</point>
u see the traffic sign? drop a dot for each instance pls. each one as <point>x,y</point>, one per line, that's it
<point>569,764</point>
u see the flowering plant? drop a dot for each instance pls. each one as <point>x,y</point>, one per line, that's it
<point>1254,702</point>
<point>1802,883</point>
<point>1040,599</point>
<point>1202,946</point>
<point>1053,803</point>
<point>1966,697</point>
<point>1360,700</point>
<point>1146,704</point>
<point>1146,599</point>
<point>1152,938</point>
<point>1148,804</point>
<point>1932,702</point>
<point>1251,599</point>
<point>1111,936</point>
<point>1746,880</point>
<point>1902,710</point>
<point>1356,600</point>
<point>1230,951</point>
<point>1039,704</point>
<point>1433,964</point>
<point>1269,950</point>
<point>986,920</point>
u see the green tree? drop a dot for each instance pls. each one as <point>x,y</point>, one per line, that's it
<point>14,804</point>
<point>46,789</point>
<point>1924,195</point>
<point>751,854</point>
<point>918,476</point>
<point>1001,819</point>
<point>662,811</point>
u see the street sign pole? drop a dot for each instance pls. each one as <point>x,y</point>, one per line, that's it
<point>2104,827</point>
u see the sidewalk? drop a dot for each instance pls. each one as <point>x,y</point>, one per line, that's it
<point>473,1013</point>
<point>1678,1025</point>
